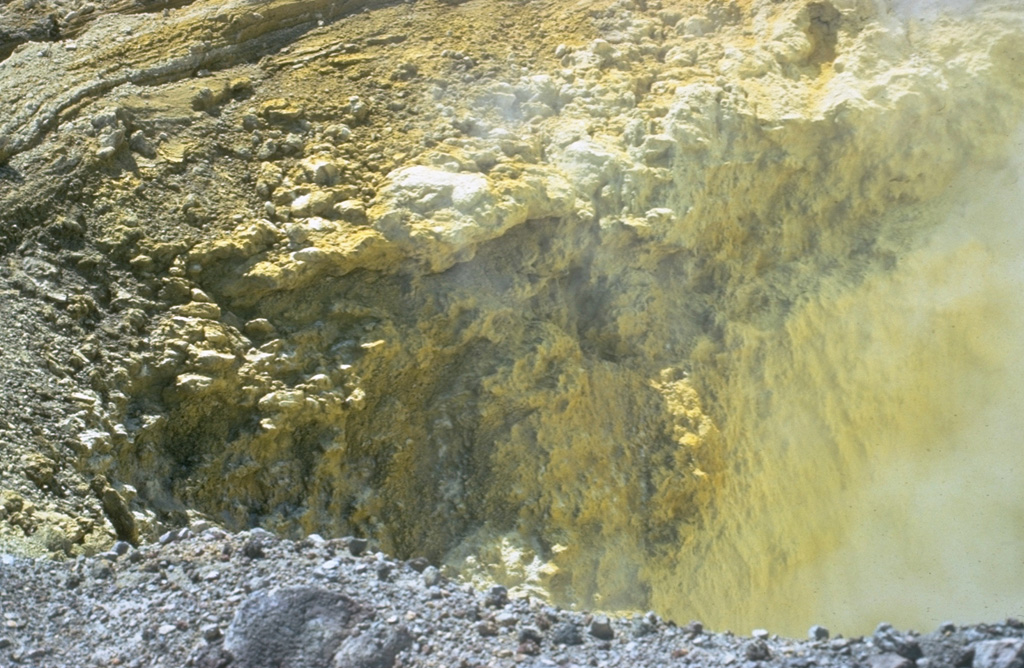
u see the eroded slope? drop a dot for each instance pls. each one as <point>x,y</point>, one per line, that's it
<point>634,305</point>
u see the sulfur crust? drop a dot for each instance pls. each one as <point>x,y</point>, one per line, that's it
<point>713,337</point>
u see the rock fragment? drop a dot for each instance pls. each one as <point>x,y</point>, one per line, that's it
<point>1001,653</point>
<point>757,650</point>
<point>431,576</point>
<point>497,597</point>
<point>889,660</point>
<point>566,633</point>
<point>601,628</point>
<point>300,627</point>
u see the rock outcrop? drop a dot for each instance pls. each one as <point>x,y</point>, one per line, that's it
<point>633,304</point>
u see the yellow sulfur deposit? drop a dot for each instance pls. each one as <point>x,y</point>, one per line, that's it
<point>710,308</point>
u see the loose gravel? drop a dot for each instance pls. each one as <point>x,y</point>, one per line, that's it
<point>206,598</point>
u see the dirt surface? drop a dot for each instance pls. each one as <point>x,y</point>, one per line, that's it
<point>617,304</point>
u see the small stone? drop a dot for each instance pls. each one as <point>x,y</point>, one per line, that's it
<point>601,628</point>
<point>121,548</point>
<point>356,546</point>
<point>887,639</point>
<point>506,620</point>
<point>486,629</point>
<point>530,634</point>
<point>761,633</point>
<point>100,570</point>
<point>818,633</point>
<point>166,629</point>
<point>211,632</point>
<point>642,626</point>
<point>201,526</point>
<point>418,564</point>
<point>566,633</point>
<point>528,648</point>
<point>351,211</point>
<point>891,660</point>
<point>947,627</point>
<point>1001,653</point>
<point>431,576</point>
<point>141,144</point>
<point>757,650</point>
<point>253,549</point>
<point>259,327</point>
<point>496,597</point>
<point>383,571</point>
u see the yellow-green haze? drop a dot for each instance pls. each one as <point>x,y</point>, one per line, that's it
<point>878,435</point>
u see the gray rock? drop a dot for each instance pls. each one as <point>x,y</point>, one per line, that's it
<point>601,628</point>
<point>1002,653</point>
<point>818,633</point>
<point>301,627</point>
<point>642,626</point>
<point>566,633</point>
<point>496,597</point>
<point>376,650</point>
<point>100,570</point>
<point>356,546</point>
<point>888,639</point>
<point>530,634</point>
<point>757,650</point>
<point>253,549</point>
<point>211,632</point>
<point>431,576</point>
<point>889,660</point>
<point>141,144</point>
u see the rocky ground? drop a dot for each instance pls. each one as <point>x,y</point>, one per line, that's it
<point>508,286</point>
<point>204,598</point>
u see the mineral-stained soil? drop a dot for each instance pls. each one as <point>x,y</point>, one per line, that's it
<point>692,306</point>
